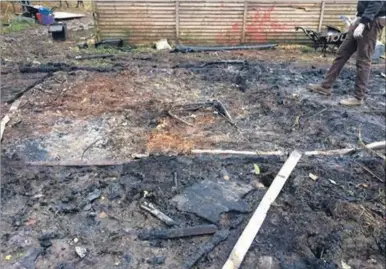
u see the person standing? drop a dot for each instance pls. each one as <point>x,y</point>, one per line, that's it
<point>361,38</point>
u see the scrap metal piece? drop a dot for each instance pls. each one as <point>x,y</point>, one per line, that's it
<point>209,199</point>
<point>149,207</point>
<point>177,233</point>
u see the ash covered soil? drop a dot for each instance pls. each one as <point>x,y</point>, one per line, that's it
<point>79,116</point>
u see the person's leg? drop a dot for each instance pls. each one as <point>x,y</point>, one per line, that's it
<point>366,47</point>
<point>345,51</point>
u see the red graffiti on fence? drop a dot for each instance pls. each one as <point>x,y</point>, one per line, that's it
<point>256,30</point>
<point>262,24</point>
<point>229,36</point>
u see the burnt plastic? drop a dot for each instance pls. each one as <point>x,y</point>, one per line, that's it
<point>110,43</point>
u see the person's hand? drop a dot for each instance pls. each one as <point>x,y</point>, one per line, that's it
<point>358,32</point>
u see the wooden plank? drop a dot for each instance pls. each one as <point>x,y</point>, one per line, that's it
<point>7,117</point>
<point>323,4</point>
<point>237,152</point>
<point>245,16</point>
<point>177,20</point>
<point>335,152</point>
<point>377,145</point>
<point>4,122</point>
<point>245,240</point>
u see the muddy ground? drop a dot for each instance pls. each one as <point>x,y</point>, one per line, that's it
<point>78,116</point>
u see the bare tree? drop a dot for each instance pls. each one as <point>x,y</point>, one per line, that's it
<point>79,3</point>
<point>66,2</point>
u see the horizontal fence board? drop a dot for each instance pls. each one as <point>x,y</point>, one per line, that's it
<point>217,22</point>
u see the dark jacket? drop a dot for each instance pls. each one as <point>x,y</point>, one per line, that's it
<point>369,10</point>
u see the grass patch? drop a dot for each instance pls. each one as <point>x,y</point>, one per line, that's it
<point>104,50</point>
<point>143,49</point>
<point>17,25</point>
<point>100,50</point>
<point>93,63</point>
<point>306,49</point>
<point>296,47</point>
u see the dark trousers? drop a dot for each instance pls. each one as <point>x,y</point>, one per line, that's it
<point>364,47</point>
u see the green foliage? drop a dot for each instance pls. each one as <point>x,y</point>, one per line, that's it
<point>143,49</point>
<point>17,24</point>
<point>104,50</point>
<point>307,49</point>
<point>256,169</point>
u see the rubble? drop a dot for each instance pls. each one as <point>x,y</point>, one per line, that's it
<point>81,251</point>
<point>197,173</point>
<point>95,194</point>
<point>268,262</point>
<point>157,260</point>
<point>162,44</point>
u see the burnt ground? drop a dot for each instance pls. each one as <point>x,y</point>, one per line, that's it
<point>78,116</point>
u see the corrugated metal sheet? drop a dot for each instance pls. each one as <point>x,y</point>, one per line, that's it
<point>217,22</point>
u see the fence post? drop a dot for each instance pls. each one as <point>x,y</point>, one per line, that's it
<point>177,21</point>
<point>96,20</point>
<point>321,15</point>
<point>245,15</point>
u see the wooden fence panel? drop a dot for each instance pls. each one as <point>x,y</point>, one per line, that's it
<point>226,22</point>
<point>136,21</point>
<point>334,10</point>
<point>211,22</point>
<point>276,21</point>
